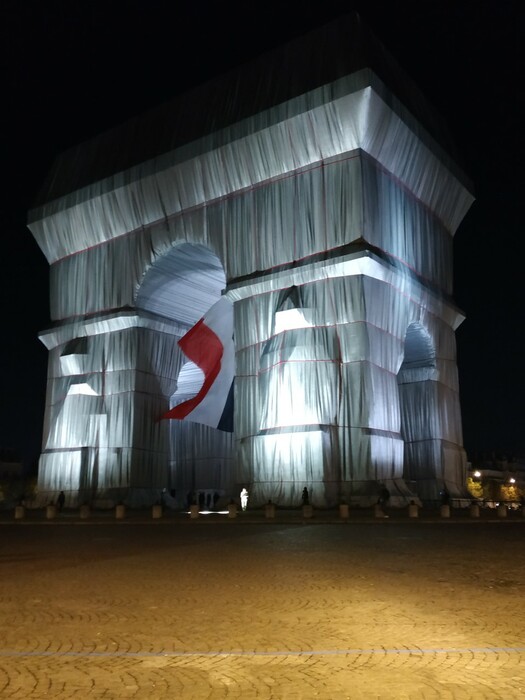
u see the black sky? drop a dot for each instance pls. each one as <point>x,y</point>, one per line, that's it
<point>73,69</point>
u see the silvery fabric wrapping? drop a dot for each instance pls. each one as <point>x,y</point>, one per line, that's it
<point>290,219</point>
<point>338,193</point>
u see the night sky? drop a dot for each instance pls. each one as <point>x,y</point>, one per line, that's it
<point>73,69</point>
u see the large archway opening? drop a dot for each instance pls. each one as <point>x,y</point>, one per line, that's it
<point>182,286</point>
<point>416,381</point>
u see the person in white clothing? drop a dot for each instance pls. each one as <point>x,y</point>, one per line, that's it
<point>244,498</point>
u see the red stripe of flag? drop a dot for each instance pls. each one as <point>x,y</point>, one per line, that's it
<point>203,347</point>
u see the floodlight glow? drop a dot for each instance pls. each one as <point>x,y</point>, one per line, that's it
<point>477,474</point>
<point>291,453</point>
<point>512,480</point>
<point>290,319</point>
<point>82,389</point>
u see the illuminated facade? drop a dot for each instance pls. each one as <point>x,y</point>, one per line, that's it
<point>324,205</point>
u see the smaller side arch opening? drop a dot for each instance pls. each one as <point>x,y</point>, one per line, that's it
<point>419,352</point>
<point>419,419</point>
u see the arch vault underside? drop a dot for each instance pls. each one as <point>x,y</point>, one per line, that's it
<point>327,220</point>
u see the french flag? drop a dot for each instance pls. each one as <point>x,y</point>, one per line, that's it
<point>209,344</point>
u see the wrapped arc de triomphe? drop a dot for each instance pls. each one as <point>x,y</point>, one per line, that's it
<point>316,190</point>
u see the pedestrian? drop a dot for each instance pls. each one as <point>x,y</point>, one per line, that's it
<point>445,497</point>
<point>384,496</point>
<point>244,498</point>
<point>61,500</point>
<point>305,497</point>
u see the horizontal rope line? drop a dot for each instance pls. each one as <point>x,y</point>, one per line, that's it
<point>312,652</point>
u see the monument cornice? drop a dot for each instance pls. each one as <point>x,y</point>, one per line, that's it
<point>252,153</point>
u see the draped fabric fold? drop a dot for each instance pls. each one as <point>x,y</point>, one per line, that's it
<point>209,345</point>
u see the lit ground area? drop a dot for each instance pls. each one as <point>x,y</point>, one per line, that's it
<point>241,610</point>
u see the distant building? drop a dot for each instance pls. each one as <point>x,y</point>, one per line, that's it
<point>498,476</point>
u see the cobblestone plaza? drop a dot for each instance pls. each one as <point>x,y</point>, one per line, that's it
<point>387,609</point>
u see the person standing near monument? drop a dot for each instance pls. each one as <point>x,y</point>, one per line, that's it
<point>384,496</point>
<point>244,498</point>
